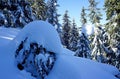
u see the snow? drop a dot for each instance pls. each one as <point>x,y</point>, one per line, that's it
<point>67,52</point>
<point>7,34</point>
<point>42,33</point>
<point>70,67</point>
<point>7,67</point>
<point>66,66</point>
<point>88,29</point>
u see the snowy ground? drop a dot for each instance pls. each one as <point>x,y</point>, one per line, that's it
<point>7,34</point>
<point>66,66</point>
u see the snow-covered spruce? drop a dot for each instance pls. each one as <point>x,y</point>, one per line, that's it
<point>83,48</point>
<point>15,13</point>
<point>34,58</point>
<point>33,52</point>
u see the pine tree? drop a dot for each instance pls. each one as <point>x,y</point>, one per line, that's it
<point>100,45</point>
<point>113,15</point>
<point>66,30</point>
<point>95,15</point>
<point>83,16</point>
<point>83,48</point>
<point>3,19</point>
<point>74,37</point>
<point>112,8</point>
<point>96,45</point>
<point>34,58</point>
<point>83,43</point>
<point>16,13</point>
<point>52,15</point>
<point>39,8</point>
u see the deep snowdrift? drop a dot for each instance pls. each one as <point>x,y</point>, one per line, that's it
<point>66,66</point>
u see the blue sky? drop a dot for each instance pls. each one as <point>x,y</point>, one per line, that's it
<point>74,8</point>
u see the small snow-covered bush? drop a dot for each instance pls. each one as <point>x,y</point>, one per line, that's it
<point>34,58</point>
<point>36,47</point>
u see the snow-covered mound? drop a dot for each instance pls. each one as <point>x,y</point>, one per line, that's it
<point>35,47</point>
<point>42,33</point>
<point>66,66</point>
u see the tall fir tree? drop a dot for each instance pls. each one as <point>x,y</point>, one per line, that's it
<point>83,45</point>
<point>83,16</point>
<point>52,15</point>
<point>95,15</point>
<point>15,13</point>
<point>66,35</point>
<point>96,44</point>
<point>74,36</point>
<point>39,8</point>
<point>112,8</point>
<point>100,45</point>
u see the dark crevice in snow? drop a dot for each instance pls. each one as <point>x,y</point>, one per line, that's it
<point>20,67</point>
<point>118,76</point>
<point>34,58</point>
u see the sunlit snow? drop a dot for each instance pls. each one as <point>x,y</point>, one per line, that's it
<point>66,65</point>
<point>88,29</point>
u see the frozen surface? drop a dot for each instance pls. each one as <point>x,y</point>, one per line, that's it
<point>66,66</point>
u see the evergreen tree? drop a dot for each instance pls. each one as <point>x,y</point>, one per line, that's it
<point>83,48</point>
<point>66,35</point>
<point>100,45</point>
<point>39,8</point>
<point>96,45</point>
<point>15,13</point>
<point>52,15</point>
<point>94,14</point>
<point>83,43</point>
<point>83,16</point>
<point>74,37</point>
<point>3,19</point>
<point>112,8</point>
<point>34,58</point>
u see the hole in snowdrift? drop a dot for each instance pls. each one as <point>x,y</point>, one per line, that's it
<point>20,67</point>
<point>34,58</point>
